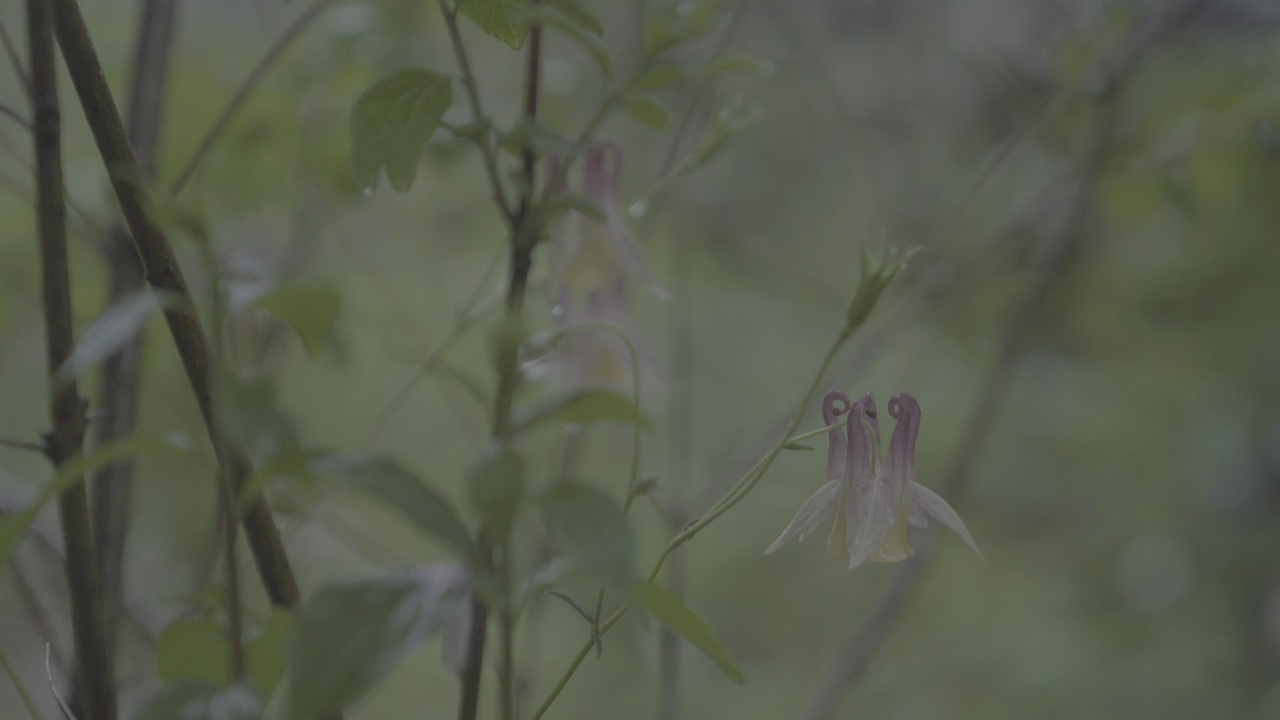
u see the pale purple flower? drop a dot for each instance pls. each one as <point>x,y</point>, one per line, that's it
<point>592,261</point>
<point>873,502</point>
<point>587,254</point>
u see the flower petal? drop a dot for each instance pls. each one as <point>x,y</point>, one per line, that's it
<point>864,438</point>
<point>601,174</point>
<point>834,405</point>
<point>935,507</point>
<point>869,514</point>
<point>813,513</point>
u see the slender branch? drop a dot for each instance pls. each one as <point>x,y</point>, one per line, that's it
<point>16,681</point>
<point>67,410</point>
<point>245,90</point>
<point>120,382</point>
<point>470,700</point>
<point>492,171</point>
<point>163,274</point>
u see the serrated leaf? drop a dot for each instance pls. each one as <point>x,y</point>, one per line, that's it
<point>499,18</point>
<point>402,491</point>
<point>581,407</point>
<point>496,488</point>
<point>578,15</point>
<point>594,533</point>
<point>392,122</point>
<point>670,610</point>
<point>15,525</point>
<point>310,308</point>
<point>350,633</point>
<point>117,325</point>
<point>202,700</point>
<point>193,649</point>
<point>647,111</point>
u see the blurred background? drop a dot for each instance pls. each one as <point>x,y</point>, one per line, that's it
<point>1091,331</point>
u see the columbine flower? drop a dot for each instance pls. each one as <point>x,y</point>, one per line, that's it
<point>873,502</point>
<point>591,262</point>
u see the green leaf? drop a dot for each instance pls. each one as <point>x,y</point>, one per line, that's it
<point>196,649</point>
<point>15,525</point>
<point>660,75</point>
<point>669,610</point>
<point>392,122</point>
<point>496,489</point>
<point>581,407</point>
<point>248,413</point>
<point>310,308</point>
<point>200,700</point>
<point>265,654</point>
<point>350,633</point>
<point>670,22</point>
<point>549,19</point>
<point>119,324</point>
<point>499,18</point>
<point>578,15</point>
<point>387,482</point>
<point>647,111</point>
<point>594,533</point>
<point>193,649</point>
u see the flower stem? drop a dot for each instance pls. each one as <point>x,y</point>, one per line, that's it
<point>731,498</point>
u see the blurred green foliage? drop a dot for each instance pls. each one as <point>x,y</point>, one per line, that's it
<point>1126,497</point>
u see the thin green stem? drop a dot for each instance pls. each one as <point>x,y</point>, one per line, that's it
<point>731,498</point>
<point>490,154</point>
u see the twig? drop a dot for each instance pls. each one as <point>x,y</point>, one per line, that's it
<point>242,93</point>
<point>492,171</point>
<point>66,409</point>
<point>120,382</point>
<point>163,274</point>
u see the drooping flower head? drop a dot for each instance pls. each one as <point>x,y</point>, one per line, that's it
<point>873,502</point>
<point>591,263</point>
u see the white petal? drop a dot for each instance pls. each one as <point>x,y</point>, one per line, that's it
<point>813,513</point>
<point>870,515</point>
<point>935,507</point>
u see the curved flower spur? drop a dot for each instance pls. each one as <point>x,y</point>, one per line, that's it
<point>873,502</point>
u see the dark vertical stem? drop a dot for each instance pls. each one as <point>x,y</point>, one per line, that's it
<point>67,410</point>
<point>120,382</point>
<point>163,274</point>
<point>470,701</point>
<point>525,232</point>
